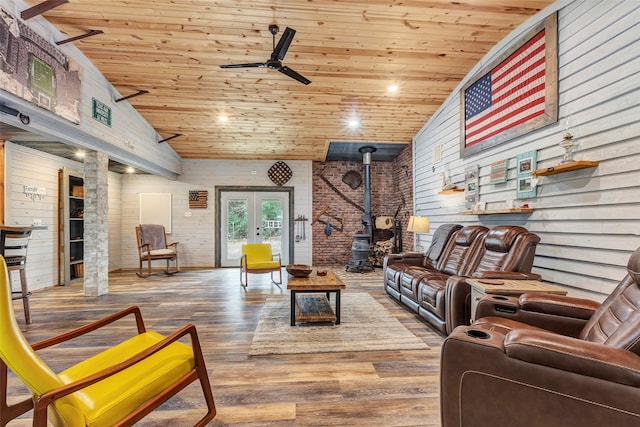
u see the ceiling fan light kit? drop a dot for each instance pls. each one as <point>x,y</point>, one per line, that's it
<point>279,51</point>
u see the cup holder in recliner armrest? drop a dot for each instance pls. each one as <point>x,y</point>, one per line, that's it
<point>475,333</point>
<point>499,297</point>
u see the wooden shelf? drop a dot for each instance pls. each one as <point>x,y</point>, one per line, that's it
<point>451,191</point>
<point>565,167</point>
<point>498,211</point>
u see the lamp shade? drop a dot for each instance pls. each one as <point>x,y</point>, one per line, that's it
<point>418,224</point>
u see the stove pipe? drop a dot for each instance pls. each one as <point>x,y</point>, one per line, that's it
<point>366,217</point>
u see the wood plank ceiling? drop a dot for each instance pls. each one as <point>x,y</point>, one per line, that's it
<point>350,50</point>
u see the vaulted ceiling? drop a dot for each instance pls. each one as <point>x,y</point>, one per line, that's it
<point>351,50</point>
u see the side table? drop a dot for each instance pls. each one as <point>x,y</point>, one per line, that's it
<point>482,287</point>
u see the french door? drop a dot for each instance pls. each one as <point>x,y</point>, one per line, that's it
<point>253,217</point>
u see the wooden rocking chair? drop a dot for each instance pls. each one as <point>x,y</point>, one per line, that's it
<point>152,245</point>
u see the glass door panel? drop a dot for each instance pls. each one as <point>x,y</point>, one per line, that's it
<point>237,213</point>
<point>272,217</point>
<point>253,217</point>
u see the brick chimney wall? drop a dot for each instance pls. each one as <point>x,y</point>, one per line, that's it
<point>391,188</point>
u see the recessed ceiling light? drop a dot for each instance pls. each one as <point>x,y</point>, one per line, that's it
<point>80,154</point>
<point>353,123</point>
<point>130,169</point>
<point>222,118</point>
<point>392,88</point>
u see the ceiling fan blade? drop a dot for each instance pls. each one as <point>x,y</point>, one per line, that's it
<point>289,72</point>
<point>249,65</point>
<point>283,45</point>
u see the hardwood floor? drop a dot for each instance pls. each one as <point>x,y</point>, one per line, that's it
<point>386,388</point>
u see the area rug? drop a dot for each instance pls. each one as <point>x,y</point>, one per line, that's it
<point>365,325</point>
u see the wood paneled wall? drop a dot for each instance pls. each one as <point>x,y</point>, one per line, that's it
<point>588,220</point>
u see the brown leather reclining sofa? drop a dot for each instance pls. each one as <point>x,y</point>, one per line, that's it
<point>543,360</point>
<point>434,284</point>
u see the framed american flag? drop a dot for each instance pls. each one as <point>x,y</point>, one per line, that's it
<point>514,95</point>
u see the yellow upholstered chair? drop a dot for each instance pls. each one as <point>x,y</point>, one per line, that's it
<point>152,245</point>
<point>258,258</point>
<point>118,386</point>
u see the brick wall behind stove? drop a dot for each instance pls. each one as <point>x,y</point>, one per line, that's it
<point>391,184</point>
<point>403,178</point>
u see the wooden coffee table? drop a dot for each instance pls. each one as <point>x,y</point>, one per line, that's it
<point>315,308</point>
<point>481,287</point>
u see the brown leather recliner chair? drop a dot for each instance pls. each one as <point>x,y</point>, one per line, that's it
<point>501,371</point>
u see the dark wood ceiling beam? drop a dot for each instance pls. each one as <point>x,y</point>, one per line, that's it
<point>89,33</point>
<point>170,138</point>
<point>41,8</point>
<point>140,92</point>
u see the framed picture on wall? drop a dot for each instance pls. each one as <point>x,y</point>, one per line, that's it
<point>499,172</point>
<point>525,187</point>
<point>471,190</point>
<point>524,184</point>
<point>515,94</point>
<point>524,165</point>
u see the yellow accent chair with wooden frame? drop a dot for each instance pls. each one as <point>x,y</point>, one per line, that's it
<point>152,245</point>
<point>259,258</point>
<point>118,386</point>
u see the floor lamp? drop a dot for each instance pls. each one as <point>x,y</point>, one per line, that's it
<point>418,225</point>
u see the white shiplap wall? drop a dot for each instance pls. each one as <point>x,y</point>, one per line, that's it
<point>25,166</point>
<point>115,221</point>
<point>588,220</point>
<point>196,234</point>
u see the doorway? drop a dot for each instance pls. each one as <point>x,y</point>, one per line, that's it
<point>252,215</point>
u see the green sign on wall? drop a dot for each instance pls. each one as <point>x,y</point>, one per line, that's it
<point>101,112</point>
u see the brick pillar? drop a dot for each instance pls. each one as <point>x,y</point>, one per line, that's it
<point>96,224</point>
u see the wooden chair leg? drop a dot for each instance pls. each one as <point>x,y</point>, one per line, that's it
<point>10,412</point>
<point>169,271</point>
<point>25,295</point>
<point>140,272</point>
<point>203,376</point>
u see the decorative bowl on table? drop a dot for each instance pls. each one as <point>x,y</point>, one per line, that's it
<point>299,270</point>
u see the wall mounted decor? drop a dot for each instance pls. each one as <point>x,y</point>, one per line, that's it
<point>514,95</point>
<point>471,188</point>
<point>280,173</point>
<point>353,179</point>
<point>198,199</point>
<point>525,185</point>
<point>499,172</point>
<point>155,208</point>
<point>38,71</point>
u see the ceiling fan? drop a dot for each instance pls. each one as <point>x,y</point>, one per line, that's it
<point>279,51</point>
